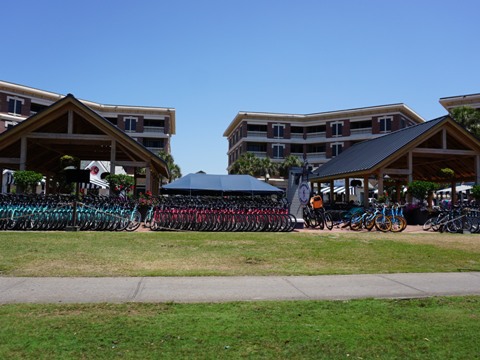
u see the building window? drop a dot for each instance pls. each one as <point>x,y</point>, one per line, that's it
<point>385,124</point>
<point>130,124</point>
<point>15,105</point>
<point>336,149</point>
<point>278,150</point>
<point>278,131</point>
<point>337,129</point>
<point>157,143</point>
<point>256,147</point>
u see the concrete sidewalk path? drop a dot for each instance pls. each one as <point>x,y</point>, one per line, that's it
<point>225,289</point>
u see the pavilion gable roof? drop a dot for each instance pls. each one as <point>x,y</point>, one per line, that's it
<point>366,157</point>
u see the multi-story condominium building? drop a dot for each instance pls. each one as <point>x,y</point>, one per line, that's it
<point>152,127</point>
<point>314,137</point>
<point>452,102</point>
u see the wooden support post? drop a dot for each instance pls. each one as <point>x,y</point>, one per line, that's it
<point>477,169</point>
<point>365,191</point>
<point>410,167</point>
<point>23,153</point>
<point>113,152</point>
<point>70,122</point>
<point>453,194</point>
<point>148,180</point>
<point>332,200</point>
<point>380,184</point>
<point>398,190</point>
<point>347,190</point>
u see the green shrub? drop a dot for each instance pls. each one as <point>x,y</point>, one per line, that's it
<point>476,191</point>
<point>420,189</point>
<point>27,180</point>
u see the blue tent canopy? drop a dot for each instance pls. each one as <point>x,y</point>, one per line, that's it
<point>219,184</point>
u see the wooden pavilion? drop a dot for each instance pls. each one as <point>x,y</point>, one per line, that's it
<point>69,127</point>
<point>414,153</point>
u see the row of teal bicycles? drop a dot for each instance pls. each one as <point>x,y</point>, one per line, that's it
<point>59,212</point>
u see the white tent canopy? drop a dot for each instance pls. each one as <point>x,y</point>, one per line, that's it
<point>458,189</point>
<point>338,190</point>
<point>94,184</point>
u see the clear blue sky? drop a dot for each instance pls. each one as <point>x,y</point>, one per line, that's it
<point>210,59</point>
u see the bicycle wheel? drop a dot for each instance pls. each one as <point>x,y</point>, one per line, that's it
<point>356,223</point>
<point>383,223</point>
<point>428,224</point>
<point>459,225</point>
<point>454,225</point>
<point>328,221</point>
<point>306,219</point>
<point>135,221</point>
<point>398,224</point>
<point>369,222</point>
<point>439,222</point>
<point>475,225</point>
<point>320,221</point>
<point>467,224</point>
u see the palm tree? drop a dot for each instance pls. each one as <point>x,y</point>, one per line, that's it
<point>173,169</point>
<point>289,162</point>
<point>248,164</point>
<point>267,168</point>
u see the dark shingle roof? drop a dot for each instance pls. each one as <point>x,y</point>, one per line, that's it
<point>367,154</point>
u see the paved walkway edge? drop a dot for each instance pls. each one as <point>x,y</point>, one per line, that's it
<point>226,289</point>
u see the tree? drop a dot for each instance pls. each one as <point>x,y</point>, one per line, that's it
<point>27,180</point>
<point>173,169</point>
<point>267,166</point>
<point>420,189</point>
<point>252,165</point>
<point>476,192</point>
<point>247,164</point>
<point>289,162</point>
<point>468,117</point>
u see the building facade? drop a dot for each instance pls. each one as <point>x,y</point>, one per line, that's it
<point>315,137</point>
<point>152,127</point>
<point>452,102</point>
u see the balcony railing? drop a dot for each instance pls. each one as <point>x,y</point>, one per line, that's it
<point>154,129</point>
<point>361,131</point>
<point>311,157</point>
<point>296,136</point>
<point>155,150</point>
<point>256,133</point>
<point>313,135</point>
<point>260,154</point>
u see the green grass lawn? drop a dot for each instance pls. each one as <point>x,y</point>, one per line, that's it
<point>436,328</point>
<point>203,254</point>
